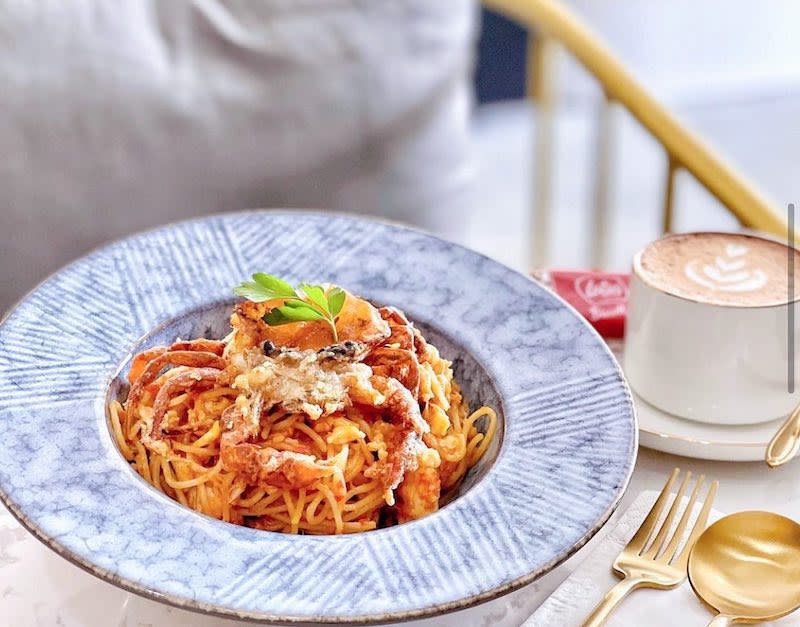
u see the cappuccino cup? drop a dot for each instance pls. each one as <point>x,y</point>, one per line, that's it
<point>707,333</point>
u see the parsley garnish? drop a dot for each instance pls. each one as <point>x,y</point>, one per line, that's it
<point>301,304</point>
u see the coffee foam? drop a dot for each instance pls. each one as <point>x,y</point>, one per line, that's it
<point>720,268</point>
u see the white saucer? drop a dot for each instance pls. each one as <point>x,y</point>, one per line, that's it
<point>664,432</point>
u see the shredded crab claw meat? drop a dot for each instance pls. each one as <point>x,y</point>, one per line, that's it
<point>266,466</point>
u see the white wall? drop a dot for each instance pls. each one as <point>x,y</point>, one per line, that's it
<point>698,50</point>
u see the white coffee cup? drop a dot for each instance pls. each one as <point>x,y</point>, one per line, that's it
<point>709,362</point>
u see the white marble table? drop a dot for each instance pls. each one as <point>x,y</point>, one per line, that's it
<point>38,588</point>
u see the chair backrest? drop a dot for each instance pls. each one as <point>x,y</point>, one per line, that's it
<point>552,26</point>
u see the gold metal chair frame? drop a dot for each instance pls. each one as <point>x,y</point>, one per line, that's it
<point>552,25</point>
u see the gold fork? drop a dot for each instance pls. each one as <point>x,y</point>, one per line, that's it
<point>657,564</point>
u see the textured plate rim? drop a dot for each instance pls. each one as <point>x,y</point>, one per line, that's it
<point>375,618</point>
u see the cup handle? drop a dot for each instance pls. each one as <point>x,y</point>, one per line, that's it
<point>786,442</point>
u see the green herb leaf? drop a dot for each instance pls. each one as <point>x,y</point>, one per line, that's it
<point>296,304</point>
<point>275,318</point>
<point>284,314</point>
<point>301,312</point>
<point>336,297</point>
<point>253,291</point>
<point>277,286</point>
<point>316,294</point>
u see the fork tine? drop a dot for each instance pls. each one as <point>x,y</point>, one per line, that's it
<point>699,526</point>
<point>639,540</point>
<point>661,538</point>
<point>672,547</point>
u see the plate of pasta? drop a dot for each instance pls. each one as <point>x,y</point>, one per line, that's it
<point>292,416</point>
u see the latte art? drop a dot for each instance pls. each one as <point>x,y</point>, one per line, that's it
<point>720,268</point>
<point>729,273</point>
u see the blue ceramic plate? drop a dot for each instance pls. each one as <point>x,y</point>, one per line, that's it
<point>559,465</point>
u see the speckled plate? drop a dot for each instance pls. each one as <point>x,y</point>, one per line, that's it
<point>557,470</point>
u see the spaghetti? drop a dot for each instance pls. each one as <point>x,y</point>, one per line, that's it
<point>278,429</point>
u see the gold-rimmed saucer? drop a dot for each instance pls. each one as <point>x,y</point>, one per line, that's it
<point>733,443</point>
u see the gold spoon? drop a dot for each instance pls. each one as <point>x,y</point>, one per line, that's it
<point>746,566</point>
<point>786,442</point>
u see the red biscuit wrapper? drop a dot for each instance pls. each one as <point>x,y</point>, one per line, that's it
<point>600,297</point>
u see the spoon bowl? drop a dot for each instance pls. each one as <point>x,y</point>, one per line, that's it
<point>786,441</point>
<point>746,566</point>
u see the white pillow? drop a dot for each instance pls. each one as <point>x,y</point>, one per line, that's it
<point>116,116</point>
